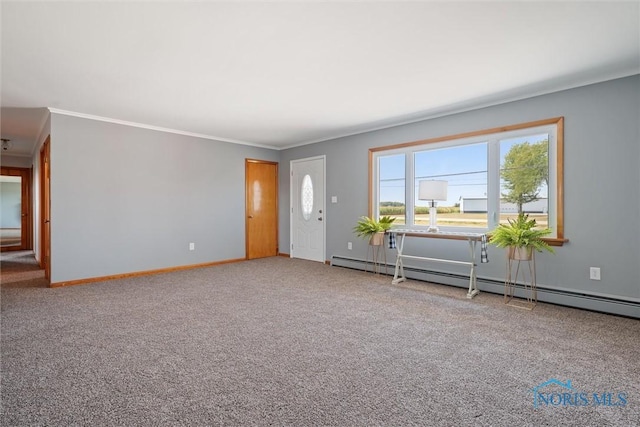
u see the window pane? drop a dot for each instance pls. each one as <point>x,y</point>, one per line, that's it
<point>391,172</point>
<point>524,178</point>
<point>306,199</point>
<point>465,169</point>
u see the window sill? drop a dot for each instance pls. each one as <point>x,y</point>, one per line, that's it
<point>556,241</point>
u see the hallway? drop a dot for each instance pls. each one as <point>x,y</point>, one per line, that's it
<point>19,269</point>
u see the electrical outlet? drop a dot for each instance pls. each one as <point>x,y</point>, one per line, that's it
<point>594,273</point>
<point>192,246</point>
<point>349,245</point>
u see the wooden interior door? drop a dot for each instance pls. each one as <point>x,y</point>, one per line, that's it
<point>261,223</point>
<point>16,236</point>
<point>45,209</point>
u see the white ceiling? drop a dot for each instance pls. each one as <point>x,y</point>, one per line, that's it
<point>281,74</point>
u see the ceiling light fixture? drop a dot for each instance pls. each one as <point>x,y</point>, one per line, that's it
<point>6,144</point>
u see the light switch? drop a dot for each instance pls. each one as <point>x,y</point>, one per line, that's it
<point>334,199</point>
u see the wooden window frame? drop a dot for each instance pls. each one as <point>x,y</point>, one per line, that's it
<point>559,239</point>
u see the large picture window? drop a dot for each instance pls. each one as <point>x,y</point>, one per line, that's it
<point>492,175</point>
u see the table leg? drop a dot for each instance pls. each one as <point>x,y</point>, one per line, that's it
<point>473,288</point>
<point>398,275</point>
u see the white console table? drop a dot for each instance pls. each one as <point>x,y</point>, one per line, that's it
<point>398,236</point>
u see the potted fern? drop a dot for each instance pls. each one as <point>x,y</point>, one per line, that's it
<point>520,236</point>
<point>369,228</point>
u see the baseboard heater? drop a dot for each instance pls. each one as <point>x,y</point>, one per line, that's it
<point>562,297</point>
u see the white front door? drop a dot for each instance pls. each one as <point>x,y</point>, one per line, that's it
<point>308,217</point>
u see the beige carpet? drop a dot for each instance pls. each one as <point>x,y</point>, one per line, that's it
<point>20,268</point>
<point>288,342</point>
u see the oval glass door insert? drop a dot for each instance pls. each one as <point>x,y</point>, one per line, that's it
<point>306,197</point>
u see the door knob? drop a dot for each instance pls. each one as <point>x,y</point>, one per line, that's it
<point>320,219</point>
<point>250,216</point>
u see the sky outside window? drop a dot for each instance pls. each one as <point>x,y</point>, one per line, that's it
<point>463,167</point>
<point>392,178</point>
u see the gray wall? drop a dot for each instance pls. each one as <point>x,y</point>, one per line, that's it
<point>127,199</point>
<point>602,196</point>
<point>10,202</point>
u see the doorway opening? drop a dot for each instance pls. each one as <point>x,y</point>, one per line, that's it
<point>15,209</point>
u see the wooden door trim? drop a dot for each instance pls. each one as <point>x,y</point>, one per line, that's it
<point>26,207</point>
<point>45,197</point>
<point>247,203</point>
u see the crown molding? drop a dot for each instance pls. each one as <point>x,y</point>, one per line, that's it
<point>157,128</point>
